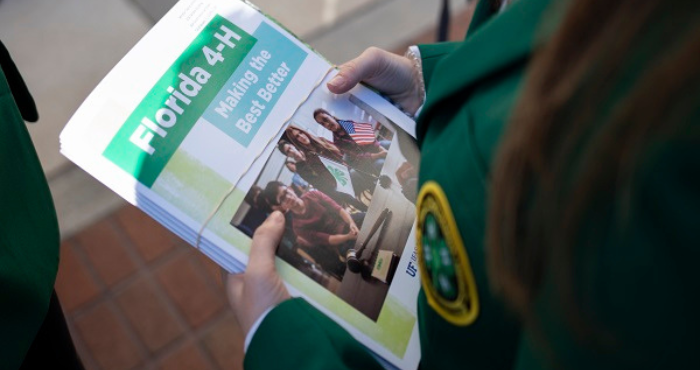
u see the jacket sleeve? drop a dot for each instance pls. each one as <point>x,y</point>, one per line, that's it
<point>23,99</point>
<point>295,335</point>
<point>431,54</point>
<point>29,234</point>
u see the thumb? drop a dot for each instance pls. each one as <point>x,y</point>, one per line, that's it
<point>265,241</point>
<point>362,68</point>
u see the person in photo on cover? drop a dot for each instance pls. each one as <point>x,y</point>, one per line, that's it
<point>311,169</point>
<point>559,175</point>
<point>322,226</point>
<point>309,143</point>
<point>356,140</point>
<point>313,148</point>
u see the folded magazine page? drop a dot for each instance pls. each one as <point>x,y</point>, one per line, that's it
<point>218,117</point>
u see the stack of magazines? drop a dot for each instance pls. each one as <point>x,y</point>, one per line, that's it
<point>218,117</point>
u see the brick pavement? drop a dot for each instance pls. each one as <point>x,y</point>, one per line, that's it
<point>137,297</point>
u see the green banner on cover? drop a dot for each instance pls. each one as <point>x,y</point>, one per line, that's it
<point>157,127</point>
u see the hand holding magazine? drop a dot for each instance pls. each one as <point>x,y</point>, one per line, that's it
<point>218,117</point>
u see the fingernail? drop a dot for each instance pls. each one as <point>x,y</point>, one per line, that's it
<point>337,81</point>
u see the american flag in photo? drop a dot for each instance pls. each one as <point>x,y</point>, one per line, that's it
<point>362,133</point>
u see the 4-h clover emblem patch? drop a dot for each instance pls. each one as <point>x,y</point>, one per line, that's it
<point>446,275</point>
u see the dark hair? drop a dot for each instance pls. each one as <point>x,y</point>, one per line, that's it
<point>252,195</point>
<point>270,192</point>
<point>262,204</point>
<point>317,145</point>
<point>321,111</point>
<point>281,144</point>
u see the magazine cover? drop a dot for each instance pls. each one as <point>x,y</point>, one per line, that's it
<point>218,117</point>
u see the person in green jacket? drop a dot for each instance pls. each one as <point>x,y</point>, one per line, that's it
<point>33,331</point>
<point>560,165</point>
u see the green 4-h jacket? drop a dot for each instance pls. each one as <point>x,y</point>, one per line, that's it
<point>471,89</point>
<point>29,238</point>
